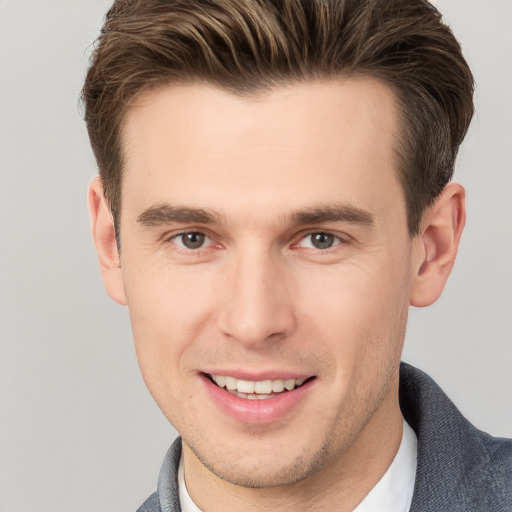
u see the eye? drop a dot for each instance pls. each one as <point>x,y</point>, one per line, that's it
<point>319,240</point>
<point>190,240</point>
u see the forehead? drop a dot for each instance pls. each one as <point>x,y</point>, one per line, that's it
<point>310,140</point>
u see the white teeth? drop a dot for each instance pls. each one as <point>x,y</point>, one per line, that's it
<point>252,396</point>
<point>245,386</point>
<point>263,387</point>
<point>220,380</point>
<point>231,383</point>
<point>256,389</point>
<point>289,384</point>
<point>278,385</point>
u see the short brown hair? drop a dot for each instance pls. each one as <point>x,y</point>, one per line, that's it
<point>246,46</point>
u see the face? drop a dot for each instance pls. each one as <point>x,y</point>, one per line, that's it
<point>266,266</point>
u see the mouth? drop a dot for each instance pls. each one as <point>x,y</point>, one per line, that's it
<point>256,390</point>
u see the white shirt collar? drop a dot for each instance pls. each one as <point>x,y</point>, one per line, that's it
<point>392,493</point>
<point>187,505</point>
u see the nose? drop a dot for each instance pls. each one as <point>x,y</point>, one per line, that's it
<point>258,305</point>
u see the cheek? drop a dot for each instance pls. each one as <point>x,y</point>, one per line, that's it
<point>167,299</point>
<point>168,310</point>
<point>356,307</point>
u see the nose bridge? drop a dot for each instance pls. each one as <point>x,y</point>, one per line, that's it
<point>258,304</point>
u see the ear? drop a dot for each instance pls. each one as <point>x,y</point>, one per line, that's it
<point>436,245</point>
<point>103,233</point>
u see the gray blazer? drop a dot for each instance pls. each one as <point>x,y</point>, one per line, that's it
<point>460,468</point>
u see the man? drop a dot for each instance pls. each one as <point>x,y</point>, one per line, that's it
<point>274,194</point>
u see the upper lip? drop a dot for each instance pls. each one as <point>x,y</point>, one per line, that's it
<point>259,376</point>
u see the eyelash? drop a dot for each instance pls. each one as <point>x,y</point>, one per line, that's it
<point>338,240</point>
<point>189,232</point>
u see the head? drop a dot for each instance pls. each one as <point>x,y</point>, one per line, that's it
<point>277,172</point>
<point>248,47</point>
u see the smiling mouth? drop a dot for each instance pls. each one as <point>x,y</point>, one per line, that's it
<point>256,390</point>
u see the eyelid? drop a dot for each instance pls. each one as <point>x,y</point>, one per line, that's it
<point>336,241</point>
<point>170,237</point>
<point>341,237</point>
<point>179,236</point>
<point>174,233</point>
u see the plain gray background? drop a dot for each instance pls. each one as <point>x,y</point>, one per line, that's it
<point>78,430</point>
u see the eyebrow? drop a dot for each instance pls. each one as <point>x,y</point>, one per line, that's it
<point>164,214</point>
<point>334,213</point>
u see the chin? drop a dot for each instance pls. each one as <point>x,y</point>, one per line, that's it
<point>266,470</point>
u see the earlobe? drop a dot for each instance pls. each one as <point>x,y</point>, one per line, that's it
<point>104,236</point>
<point>435,248</point>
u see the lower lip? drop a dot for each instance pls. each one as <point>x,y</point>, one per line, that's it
<point>257,412</point>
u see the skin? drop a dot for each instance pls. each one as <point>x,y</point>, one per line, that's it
<point>258,295</point>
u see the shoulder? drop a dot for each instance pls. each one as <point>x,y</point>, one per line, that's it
<point>491,472</point>
<point>152,504</point>
<point>460,468</point>
<point>166,497</point>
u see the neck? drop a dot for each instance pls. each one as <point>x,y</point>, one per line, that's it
<point>340,486</point>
